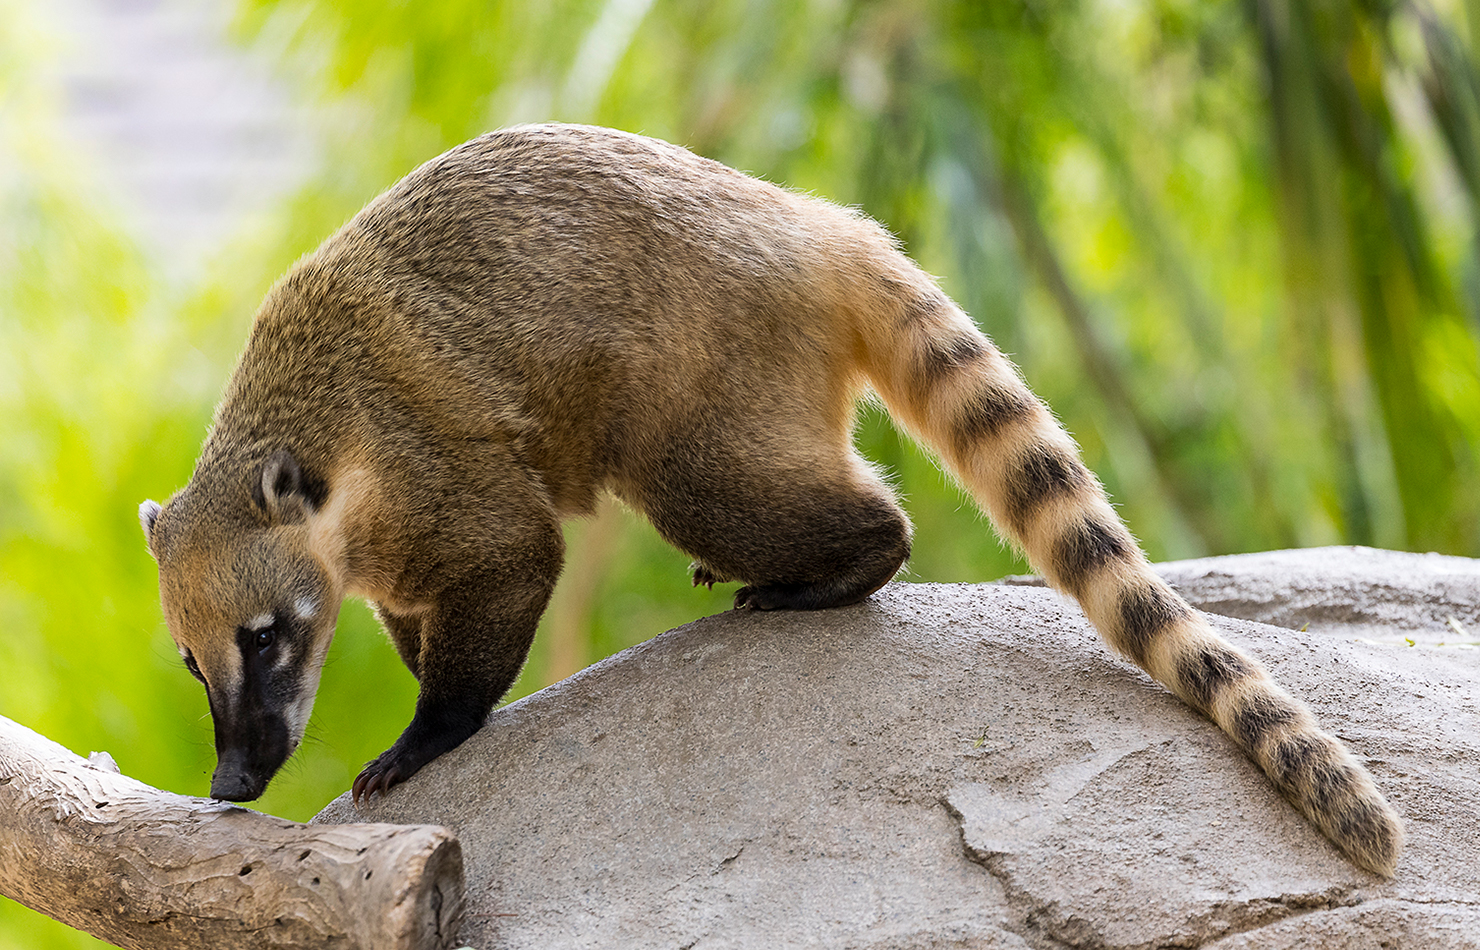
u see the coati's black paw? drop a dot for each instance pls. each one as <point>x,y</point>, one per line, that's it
<point>769,597</point>
<point>381,776</point>
<point>799,596</point>
<point>438,726</point>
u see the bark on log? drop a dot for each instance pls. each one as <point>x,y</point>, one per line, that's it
<point>145,868</point>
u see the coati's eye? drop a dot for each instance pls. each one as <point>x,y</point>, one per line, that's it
<point>259,633</point>
<point>193,667</point>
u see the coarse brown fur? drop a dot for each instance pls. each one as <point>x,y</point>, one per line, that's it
<point>549,312</point>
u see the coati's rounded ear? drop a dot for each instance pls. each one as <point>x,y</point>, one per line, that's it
<point>282,491</point>
<point>148,514</point>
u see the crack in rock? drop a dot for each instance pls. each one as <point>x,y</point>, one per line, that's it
<point>1069,872</point>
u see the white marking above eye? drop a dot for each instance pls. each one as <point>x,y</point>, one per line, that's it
<point>305,607</point>
<point>260,622</point>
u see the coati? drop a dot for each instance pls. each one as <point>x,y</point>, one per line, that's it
<point>552,311</point>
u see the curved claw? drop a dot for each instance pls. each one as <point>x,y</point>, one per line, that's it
<point>377,776</point>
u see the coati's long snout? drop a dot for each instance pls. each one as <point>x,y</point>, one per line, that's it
<point>551,312</point>
<point>251,745</point>
<point>266,681</point>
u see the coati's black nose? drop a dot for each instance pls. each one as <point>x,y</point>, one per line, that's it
<point>234,783</point>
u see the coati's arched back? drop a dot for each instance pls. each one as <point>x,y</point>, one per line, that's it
<point>549,312</point>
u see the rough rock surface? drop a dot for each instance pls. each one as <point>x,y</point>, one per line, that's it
<point>1389,596</point>
<point>969,766</point>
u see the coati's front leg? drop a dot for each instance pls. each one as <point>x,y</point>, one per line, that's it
<point>405,634</point>
<point>474,639</point>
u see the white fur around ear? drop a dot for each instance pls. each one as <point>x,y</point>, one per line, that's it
<point>282,488</point>
<point>148,514</point>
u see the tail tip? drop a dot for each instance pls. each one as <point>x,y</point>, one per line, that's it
<point>1371,835</point>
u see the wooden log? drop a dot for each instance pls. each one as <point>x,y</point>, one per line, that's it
<point>145,868</point>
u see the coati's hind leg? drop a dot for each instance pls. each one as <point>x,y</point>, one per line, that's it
<point>872,571</point>
<point>842,547</point>
<point>817,533</point>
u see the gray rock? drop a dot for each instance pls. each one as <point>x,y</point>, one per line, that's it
<point>1386,595</point>
<point>1392,596</point>
<point>966,766</point>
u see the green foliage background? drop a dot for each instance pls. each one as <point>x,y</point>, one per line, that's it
<point>1232,243</point>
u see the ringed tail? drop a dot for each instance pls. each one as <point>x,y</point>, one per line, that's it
<point>945,381</point>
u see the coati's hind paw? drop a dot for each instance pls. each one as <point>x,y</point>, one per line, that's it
<point>821,596</point>
<point>777,597</point>
<point>703,575</point>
